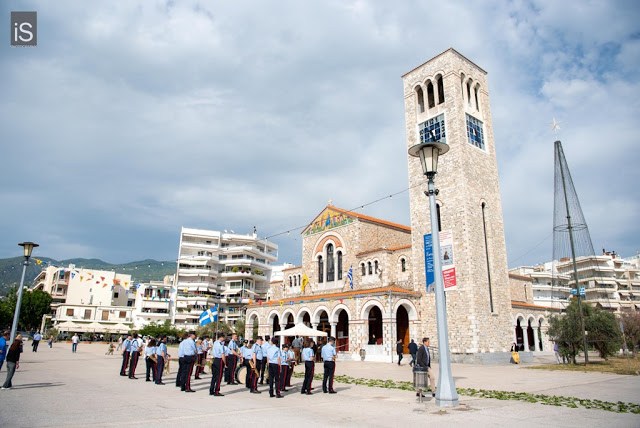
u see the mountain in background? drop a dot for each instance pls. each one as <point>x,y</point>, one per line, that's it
<point>140,271</point>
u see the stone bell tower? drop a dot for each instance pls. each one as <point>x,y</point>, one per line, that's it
<point>448,96</point>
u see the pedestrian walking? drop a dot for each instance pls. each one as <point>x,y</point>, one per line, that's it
<point>413,350</point>
<point>74,343</point>
<point>51,341</point>
<point>399,350</point>
<point>120,339</point>
<point>4,346</point>
<point>424,360</point>
<point>13,361</point>
<point>36,341</point>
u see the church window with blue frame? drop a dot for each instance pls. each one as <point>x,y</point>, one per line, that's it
<point>475,134</point>
<point>431,128</point>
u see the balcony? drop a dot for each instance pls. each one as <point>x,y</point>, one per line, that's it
<point>197,272</point>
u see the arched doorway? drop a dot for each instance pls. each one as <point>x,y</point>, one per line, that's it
<point>375,326</point>
<point>306,319</point>
<point>530,340</point>
<point>402,328</point>
<point>323,322</point>
<point>342,331</point>
<point>276,324</point>
<point>289,321</point>
<point>519,336</point>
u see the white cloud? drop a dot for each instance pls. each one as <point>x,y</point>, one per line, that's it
<point>138,117</point>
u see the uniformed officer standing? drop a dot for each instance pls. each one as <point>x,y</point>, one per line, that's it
<point>150,350</point>
<point>190,352</point>
<point>161,355</point>
<point>219,360</point>
<point>309,367</point>
<point>125,355</point>
<point>284,367</point>
<point>232,360</point>
<point>292,363</point>
<point>247,355</point>
<point>199,359</point>
<point>258,354</point>
<point>265,348</point>
<point>274,360</point>
<point>134,350</point>
<point>328,354</point>
<point>181,365</point>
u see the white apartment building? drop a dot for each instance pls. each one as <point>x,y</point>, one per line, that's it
<point>610,281</point>
<point>153,302</point>
<point>227,269</point>
<point>86,300</point>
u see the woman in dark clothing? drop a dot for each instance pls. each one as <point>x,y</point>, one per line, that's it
<point>13,361</point>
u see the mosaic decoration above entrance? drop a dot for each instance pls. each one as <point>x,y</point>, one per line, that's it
<point>328,219</point>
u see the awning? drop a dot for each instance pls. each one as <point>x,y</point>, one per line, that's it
<point>228,292</point>
<point>300,330</point>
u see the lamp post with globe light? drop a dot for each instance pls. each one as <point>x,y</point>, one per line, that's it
<point>28,248</point>
<point>428,152</point>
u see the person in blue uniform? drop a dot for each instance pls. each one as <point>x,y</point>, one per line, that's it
<point>284,367</point>
<point>181,365</point>
<point>274,360</point>
<point>232,360</point>
<point>258,354</point>
<point>134,350</point>
<point>291,356</point>
<point>308,357</point>
<point>151,365</point>
<point>247,355</point>
<point>217,368</point>
<point>126,347</point>
<point>161,355</point>
<point>328,353</point>
<point>189,351</point>
<point>199,358</point>
<point>265,347</point>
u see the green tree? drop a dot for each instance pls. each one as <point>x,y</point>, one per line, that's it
<point>238,327</point>
<point>631,325</point>
<point>213,328</point>
<point>157,330</point>
<point>565,330</point>
<point>34,305</point>
<point>604,333</point>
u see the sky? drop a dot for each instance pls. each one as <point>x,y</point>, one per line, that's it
<point>131,119</point>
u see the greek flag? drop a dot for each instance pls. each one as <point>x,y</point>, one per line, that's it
<point>208,316</point>
<point>350,276</point>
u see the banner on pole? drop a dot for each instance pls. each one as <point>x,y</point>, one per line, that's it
<point>446,261</point>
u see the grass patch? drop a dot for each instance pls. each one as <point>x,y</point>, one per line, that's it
<point>549,400</point>
<point>613,365</point>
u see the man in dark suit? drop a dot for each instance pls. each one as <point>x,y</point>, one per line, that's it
<point>424,360</point>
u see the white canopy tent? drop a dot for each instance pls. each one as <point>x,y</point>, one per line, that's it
<point>299,330</point>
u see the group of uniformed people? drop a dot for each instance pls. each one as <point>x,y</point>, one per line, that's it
<point>259,357</point>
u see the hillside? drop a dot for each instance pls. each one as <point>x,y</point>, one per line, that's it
<point>140,271</point>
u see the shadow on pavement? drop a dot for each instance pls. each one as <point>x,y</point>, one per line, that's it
<point>38,385</point>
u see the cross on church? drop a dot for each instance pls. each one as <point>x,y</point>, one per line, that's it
<point>331,202</point>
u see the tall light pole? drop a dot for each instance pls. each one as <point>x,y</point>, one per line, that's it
<point>428,152</point>
<point>28,248</point>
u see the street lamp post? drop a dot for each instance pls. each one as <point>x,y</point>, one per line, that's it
<point>428,152</point>
<point>28,248</point>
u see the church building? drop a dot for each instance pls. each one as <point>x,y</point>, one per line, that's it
<point>363,279</point>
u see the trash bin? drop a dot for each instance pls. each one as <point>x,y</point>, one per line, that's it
<point>420,380</point>
<point>363,353</point>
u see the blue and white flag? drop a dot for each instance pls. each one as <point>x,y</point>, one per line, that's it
<point>350,276</point>
<point>208,316</point>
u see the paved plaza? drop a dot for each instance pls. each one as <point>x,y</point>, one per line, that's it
<point>57,388</point>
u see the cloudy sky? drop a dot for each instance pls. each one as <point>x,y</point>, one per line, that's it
<point>132,119</point>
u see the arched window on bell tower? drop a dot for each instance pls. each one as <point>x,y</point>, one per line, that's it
<point>440,86</point>
<point>430,95</point>
<point>370,268</point>
<point>339,265</point>
<point>420,97</point>
<point>320,270</point>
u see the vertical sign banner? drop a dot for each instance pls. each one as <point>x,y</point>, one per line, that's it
<point>446,260</point>
<point>446,257</point>
<point>428,262</point>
